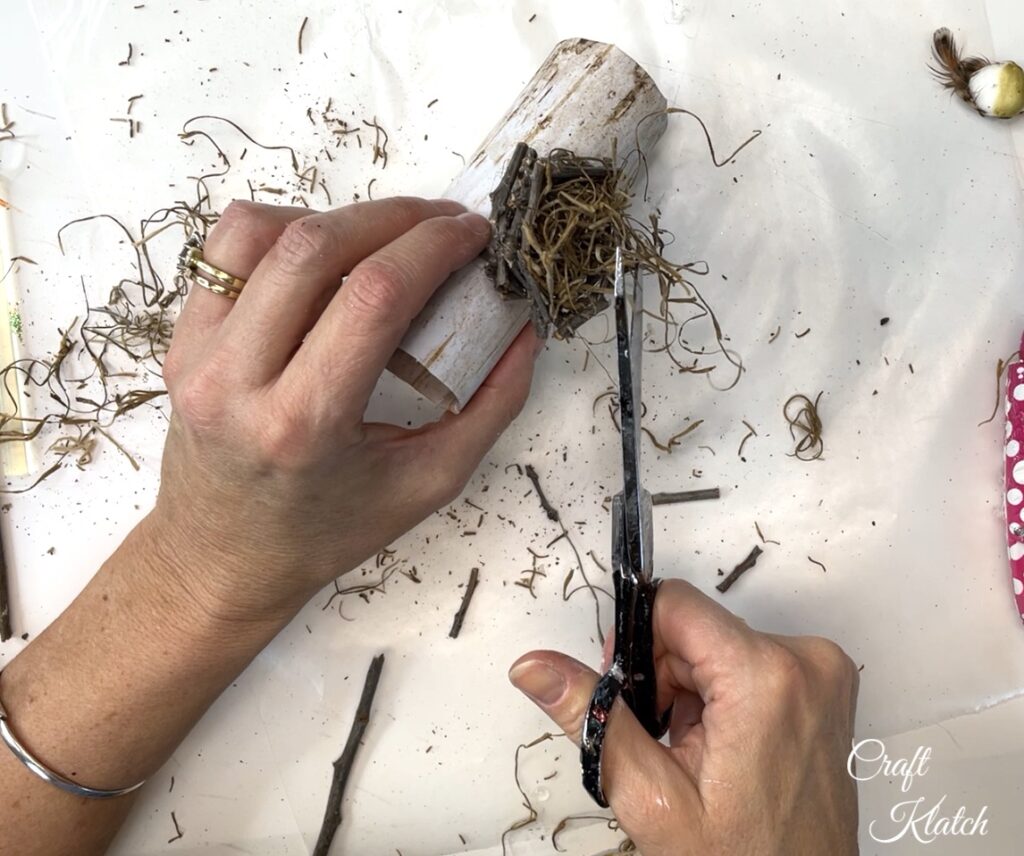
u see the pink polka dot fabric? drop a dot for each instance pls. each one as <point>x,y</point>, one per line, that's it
<point>1015,476</point>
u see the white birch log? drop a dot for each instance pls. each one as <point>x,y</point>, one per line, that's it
<point>585,95</point>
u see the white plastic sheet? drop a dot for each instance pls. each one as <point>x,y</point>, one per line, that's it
<point>869,195</point>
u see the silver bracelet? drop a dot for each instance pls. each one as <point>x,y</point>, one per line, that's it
<point>48,775</point>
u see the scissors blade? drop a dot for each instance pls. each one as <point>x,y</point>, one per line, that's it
<point>636,537</point>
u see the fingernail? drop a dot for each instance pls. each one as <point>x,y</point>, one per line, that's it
<point>539,681</point>
<point>480,225</point>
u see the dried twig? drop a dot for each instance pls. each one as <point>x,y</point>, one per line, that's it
<point>343,765</point>
<point>685,496</point>
<point>549,509</point>
<point>467,596</point>
<point>740,570</point>
<point>177,829</point>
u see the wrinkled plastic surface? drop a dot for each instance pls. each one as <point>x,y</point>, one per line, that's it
<point>870,195</point>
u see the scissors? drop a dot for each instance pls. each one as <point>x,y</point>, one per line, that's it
<point>632,674</point>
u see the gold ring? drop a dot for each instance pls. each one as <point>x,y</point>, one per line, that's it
<point>192,265</point>
<point>215,287</point>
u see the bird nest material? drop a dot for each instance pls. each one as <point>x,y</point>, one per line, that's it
<point>558,220</point>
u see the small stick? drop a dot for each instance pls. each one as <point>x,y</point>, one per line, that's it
<point>549,509</point>
<point>177,829</point>
<point>740,570</point>
<point>343,766</point>
<point>499,196</point>
<point>302,28</point>
<point>5,612</point>
<point>685,496</point>
<point>540,315</point>
<point>460,616</point>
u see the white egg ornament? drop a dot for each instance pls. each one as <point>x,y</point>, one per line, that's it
<point>994,89</point>
<point>998,90</point>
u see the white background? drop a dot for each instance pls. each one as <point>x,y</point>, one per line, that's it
<point>870,194</point>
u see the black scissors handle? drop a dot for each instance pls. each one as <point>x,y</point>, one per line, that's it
<point>632,674</point>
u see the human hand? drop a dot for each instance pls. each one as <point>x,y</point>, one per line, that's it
<point>760,733</point>
<point>272,483</point>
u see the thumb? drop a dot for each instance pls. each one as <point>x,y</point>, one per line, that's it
<point>641,780</point>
